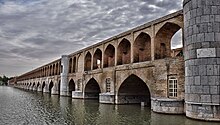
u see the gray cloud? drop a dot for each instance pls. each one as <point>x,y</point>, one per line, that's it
<point>34,32</point>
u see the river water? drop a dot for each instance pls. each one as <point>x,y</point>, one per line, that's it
<point>19,107</point>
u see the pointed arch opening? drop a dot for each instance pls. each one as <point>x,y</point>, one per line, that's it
<point>71,86</point>
<point>134,90</point>
<point>142,48</point>
<point>33,86</point>
<point>109,56</point>
<point>124,52</point>
<point>87,63</point>
<point>92,89</point>
<point>43,85</point>
<point>97,59</point>
<point>50,86</point>
<point>74,65</point>
<point>54,69</point>
<point>70,65</point>
<point>59,87</point>
<point>163,40</point>
<point>38,84</point>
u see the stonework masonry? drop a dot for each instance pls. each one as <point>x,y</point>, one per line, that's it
<point>202,58</point>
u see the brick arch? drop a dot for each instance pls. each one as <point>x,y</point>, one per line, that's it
<point>88,61</point>
<point>70,65</point>
<point>142,76</point>
<point>142,48</point>
<point>97,57</point>
<point>43,85</point>
<point>92,89</point>
<point>51,85</point>
<point>38,84</point>
<point>71,85</point>
<point>109,56</point>
<point>124,52</point>
<point>133,90</point>
<point>163,39</point>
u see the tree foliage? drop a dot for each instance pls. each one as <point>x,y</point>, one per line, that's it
<point>4,80</point>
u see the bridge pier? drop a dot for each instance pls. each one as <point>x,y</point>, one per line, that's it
<point>39,89</point>
<point>64,76</point>
<point>202,59</point>
<point>108,98</point>
<point>77,94</point>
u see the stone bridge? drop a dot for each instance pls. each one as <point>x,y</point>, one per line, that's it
<point>132,67</point>
<point>139,66</point>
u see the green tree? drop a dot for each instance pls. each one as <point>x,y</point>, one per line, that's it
<point>4,80</point>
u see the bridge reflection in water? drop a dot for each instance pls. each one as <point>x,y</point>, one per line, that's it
<point>25,107</point>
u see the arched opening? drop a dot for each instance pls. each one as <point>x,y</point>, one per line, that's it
<point>97,59</point>
<point>133,90</point>
<point>74,65</point>
<point>33,86</point>
<point>163,40</point>
<point>70,65</point>
<point>92,89</point>
<point>54,69</point>
<point>51,70</point>
<point>71,86</point>
<point>50,86</point>
<point>38,84</point>
<point>43,85</point>
<point>59,87</point>
<point>57,73</point>
<point>142,48</point>
<point>109,56</point>
<point>88,60</point>
<point>124,52</point>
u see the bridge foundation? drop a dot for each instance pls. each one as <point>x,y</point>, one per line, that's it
<point>108,98</point>
<point>77,94</point>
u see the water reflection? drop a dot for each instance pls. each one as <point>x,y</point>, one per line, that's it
<point>36,108</point>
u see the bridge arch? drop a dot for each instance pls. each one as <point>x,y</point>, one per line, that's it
<point>88,62</point>
<point>92,89</point>
<point>124,52</point>
<point>142,48</point>
<point>70,65</point>
<point>38,84</point>
<point>51,86</point>
<point>71,86</point>
<point>133,90</point>
<point>33,86</point>
<point>109,56</point>
<point>43,85</point>
<point>97,59</point>
<point>163,39</point>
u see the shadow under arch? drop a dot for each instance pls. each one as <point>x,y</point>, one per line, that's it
<point>51,86</point>
<point>71,87</point>
<point>142,48</point>
<point>134,90</point>
<point>38,84</point>
<point>92,89</point>
<point>163,40</point>
<point>43,85</point>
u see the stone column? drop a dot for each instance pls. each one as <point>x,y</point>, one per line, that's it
<point>202,59</point>
<point>64,75</point>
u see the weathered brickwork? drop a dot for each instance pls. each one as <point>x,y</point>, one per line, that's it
<point>202,66</point>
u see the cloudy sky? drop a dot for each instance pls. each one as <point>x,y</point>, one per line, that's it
<point>35,32</point>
